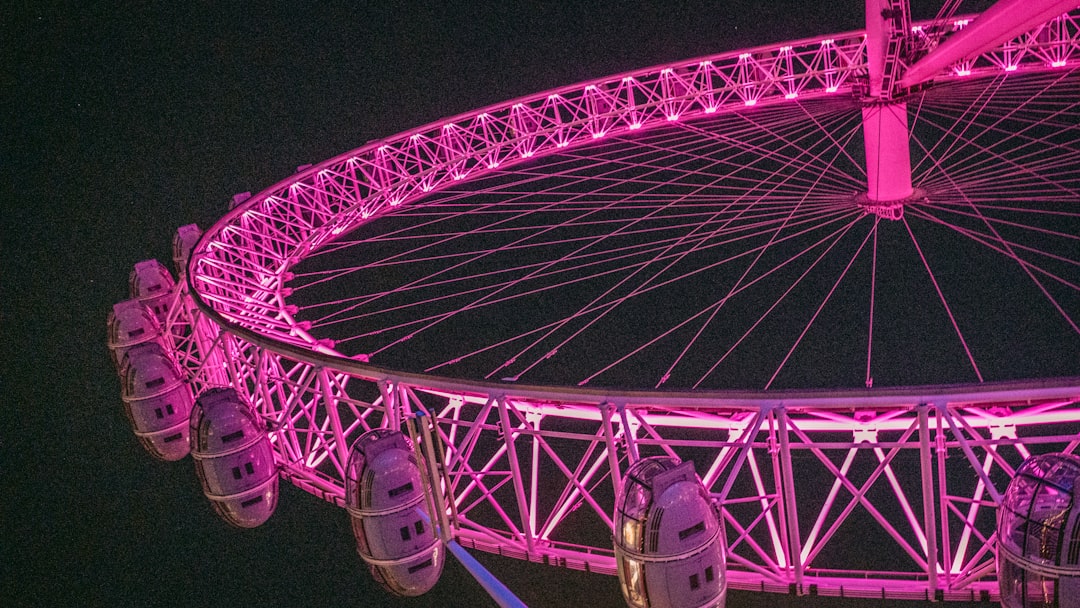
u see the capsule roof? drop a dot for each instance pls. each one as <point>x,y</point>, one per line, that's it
<point>663,509</point>
<point>147,370</point>
<point>383,473</point>
<point>150,279</point>
<point>131,323</point>
<point>183,242</point>
<point>222,422</point>
<point>645,481</point>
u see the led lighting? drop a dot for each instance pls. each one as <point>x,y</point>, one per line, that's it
<point>751,102</point>
<point>791,96</point>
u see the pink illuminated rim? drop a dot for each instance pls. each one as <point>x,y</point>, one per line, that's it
<point>241,265</point>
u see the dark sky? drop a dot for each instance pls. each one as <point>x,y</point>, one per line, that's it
<point>120,125</point>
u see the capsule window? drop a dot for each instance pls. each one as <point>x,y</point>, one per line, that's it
<point>172,438</point>
<point>693,530</point>
<point>249,468</point>
<point>418,567</point>
<point>233,436</point>
<point>405,533</point>
<point>398,491</point>
<point>694,581</point>
<point>419,527</point>
<point>169,409</point>
<point>135,333</point>
<point>709,574</point>
<point>236,473</point>
<point>155,383</point>
<point>1074,545</point>
<point>159,413</point>
<point>251,501</point>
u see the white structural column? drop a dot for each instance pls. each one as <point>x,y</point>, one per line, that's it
<point>885,125</point>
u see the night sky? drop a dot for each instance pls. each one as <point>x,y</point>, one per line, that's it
<point>121,125</point>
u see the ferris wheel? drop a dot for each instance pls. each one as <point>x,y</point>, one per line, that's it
<point>792,300</point>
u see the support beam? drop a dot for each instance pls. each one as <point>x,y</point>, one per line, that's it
<point>929,523</point>
<point>877,43</point>
<point>888,155</point>
<point>885,127</point>
<point>794,544</point>
<point>1005,20</point>
<point>518,482</point>
<point>494,587</point>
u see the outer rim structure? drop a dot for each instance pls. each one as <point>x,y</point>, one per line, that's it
<point>241,331</point>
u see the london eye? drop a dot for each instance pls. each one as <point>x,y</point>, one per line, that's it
<point>831,285</point>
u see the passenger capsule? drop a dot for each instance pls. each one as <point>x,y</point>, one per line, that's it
<point>669,549</point>
<point>385,498</point>
<point>1038,534</point>
<point>131,323</point>
<point>157,400</point>
<point>183,242</point>
<point>151,283</point>
<point>233,458</point>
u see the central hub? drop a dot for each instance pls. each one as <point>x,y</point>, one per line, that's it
<point>890,210</point>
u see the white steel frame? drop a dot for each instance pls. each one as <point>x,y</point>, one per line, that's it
<point>532,471</point>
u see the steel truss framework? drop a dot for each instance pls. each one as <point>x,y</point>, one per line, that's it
<point>532,472</point>
<point>529,472</point>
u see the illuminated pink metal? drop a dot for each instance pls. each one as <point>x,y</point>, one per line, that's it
<point>315,412</point>
<point>888,154</point>
<point>878,31</point>
<point>885,124</point>
<point>533,503</point>
<point>524,464</point>
<point>1005,20</point>
<point>239,264</point>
